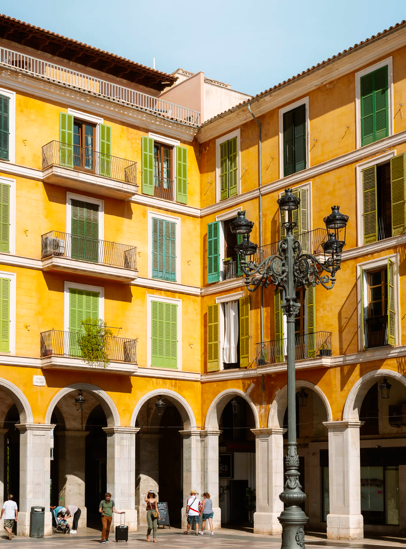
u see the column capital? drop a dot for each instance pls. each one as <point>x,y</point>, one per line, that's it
<point>121,430</point>
<point>78,434</point>
<point>340,425</point>
<point>35,426</point>
<point>268,432</point>
<point>210,433</point>
<point>191,433</point>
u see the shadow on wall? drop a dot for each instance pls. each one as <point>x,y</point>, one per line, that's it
<point>348,324</point>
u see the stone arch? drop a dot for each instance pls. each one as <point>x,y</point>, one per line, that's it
<point>109,408</point>
<point>355,397</point>
<point>183,407</point>
<point>280,402</point>
<point>20,400</point>
<point>218,404</point>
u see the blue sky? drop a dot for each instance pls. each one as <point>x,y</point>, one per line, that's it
<point>250,45</point>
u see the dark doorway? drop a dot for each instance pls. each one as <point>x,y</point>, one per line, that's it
<point>96,460</point>
<point>12,454</point>
<point>238,491</point>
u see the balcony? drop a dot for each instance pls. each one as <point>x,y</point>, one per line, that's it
<point>315,345</point>
<point>376,331</point>
<point>230,268</point>
<point>95,86</point>
<point>63,252</point>
<point>84,169</point>
<point>61,350</point>
<point>163,188</point>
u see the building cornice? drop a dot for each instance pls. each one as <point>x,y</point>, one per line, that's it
<point>175,207</point>
<point>162,285</point>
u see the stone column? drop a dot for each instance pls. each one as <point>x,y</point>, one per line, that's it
<point>147,470</point>
<point>72,463</point>
<point>192,467</point>
<point>121,473</point>
<point>344,520</point>
<point>211,471</point>
<point>35,469</point>
<point>2,487</point>
<point>269,480</point>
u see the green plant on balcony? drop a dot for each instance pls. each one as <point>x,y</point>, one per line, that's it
<point>93,342</point>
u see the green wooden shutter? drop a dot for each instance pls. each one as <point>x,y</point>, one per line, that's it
<point>158,244</point>
<point>233,167</point>
<point>304,221</point>
<point>244,331</point>
<point>4,128</point>
<point>5,315</point>
<point>370,205</point>
<point>300,138</point>
<point>82,305</point>
<point>66,139</point>
<point>164,334</point>
<point>148,165</point>
<point>171,335</point>
<point>397,179</point>
<point>367,109</point>
<point>224,170</point>
<point>374,106</point>
<point>157,333</point>
<point>163,249</point>
<point>213,336</point>
<point>213,252</point>
<point>105,150</point>
<point>363,315</point>
<point>4,218</point>
<point>239,241</point>
<point>296,216</point>
<point>279,351</point>
<point>85,231</point>
<point>288,144</point>
<point>181,175</point>
<point>391,304</point>
<point>170,251</point>
<point>381,104</point>
<point>311,321</point>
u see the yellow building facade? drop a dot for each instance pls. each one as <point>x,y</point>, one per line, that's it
<point>116,209</point>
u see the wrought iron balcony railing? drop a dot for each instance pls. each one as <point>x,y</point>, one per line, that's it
<point>230,268</point>
<point>100,88</point>
<point>87,160</point>
<point>57,244</point>
<point>67,344</point>
<point>314,345</point>
<point>163,188</point>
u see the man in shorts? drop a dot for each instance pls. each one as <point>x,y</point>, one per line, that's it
<point>10,512</point>
<point>193,512</point>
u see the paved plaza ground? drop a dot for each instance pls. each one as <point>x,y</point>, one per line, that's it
<point>174,539</point>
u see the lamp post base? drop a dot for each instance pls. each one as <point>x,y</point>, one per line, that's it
<point>293,520</point>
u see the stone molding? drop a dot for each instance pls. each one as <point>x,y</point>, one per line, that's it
<point>35,426</point>
<point>331,425</point>
<point>121,430</point>
<point>191,433</point>
<point>266,432</point>
<point>210,433</point>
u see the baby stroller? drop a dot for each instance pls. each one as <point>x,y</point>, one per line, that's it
<point>61,526</point>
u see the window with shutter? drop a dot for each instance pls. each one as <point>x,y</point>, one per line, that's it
<point>85,231</point>
<point>370,205</point>
<point>213,338</point>
<point>398,194</point>
<point>5,217</point>
<point>228,168</point>
<point>105,150</point>
<point>164,334</point>
<point>5,315</point>
<point>301,218</point>
<point>181,175</point>
<point>391,303</point>
<point>244,332</point>
<point>163,249</point>
<point>213,252</point>
<point>147,145</point>
<point>294,140</point>
<point>4,128</point>
<point>83,304</point>
<point>374,106</point>
<point>66,140</point>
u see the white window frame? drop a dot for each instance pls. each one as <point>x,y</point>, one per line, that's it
<point>162,299</point>
<point>219,141</point>
<point>358,76</point>
<point>303,101</point>
<point>221,300</point>
<point>172,143</point>
<point>88,288</point>
<point>371,266</point>
<point>172,219</point>
<point>305,186</point>
<point>231,214</point>
<point>92,119</point>
<point>13,216</point>
<point>13,307</point>
<point>383,159</point>
<point>12,125</point>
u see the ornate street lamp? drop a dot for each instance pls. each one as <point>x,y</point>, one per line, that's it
<point>289,270</point>
<point>234,404</point>
<point>80,401</point>
<point>302,396</point>
<point>160,406</point>
<point>385,388</point>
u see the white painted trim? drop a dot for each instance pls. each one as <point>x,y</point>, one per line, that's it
<point>12,125</point>
<point>303,101</point>
<point>358,76</point>
<point>223,286</point>
<point>218,404</point>
<point>360,199</point>
<point>164,373</point>
<point>87,287</point>
<point>85,116</point>
<point>153,202</point>
<point>369,266</point>
<point>13,216</point>
<point>188,419</point>
<point>177,222</point>
<point>156,284</point>
<point>164,140</point>
<point>219,141</point>
<point>375,247</point>
<point>229,297</point>
<point>98,201</point>
<point>13,307</point>
<point>178,302</point>
<point>230,214</point>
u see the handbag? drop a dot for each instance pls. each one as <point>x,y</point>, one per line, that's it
<point>154,512</point>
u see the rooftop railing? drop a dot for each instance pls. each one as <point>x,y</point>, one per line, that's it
<point>96,86</point>
<point>58,244</point>
<point>86,160</point>
<point>313,345</point>
<point>67,344</point>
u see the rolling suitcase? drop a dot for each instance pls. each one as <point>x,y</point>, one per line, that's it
<point>122,530</point>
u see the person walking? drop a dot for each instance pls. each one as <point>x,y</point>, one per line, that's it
<point>152,514</point>
<point>10,512</point>
<point>207,513</point>
<point>74,513</point>
<point>193,512</point>
<point>106,509</point>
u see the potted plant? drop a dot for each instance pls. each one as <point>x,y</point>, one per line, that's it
<point>92,341</point>
<point>324,350</point>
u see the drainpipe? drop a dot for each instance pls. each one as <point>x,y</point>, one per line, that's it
<point>260,213</point>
